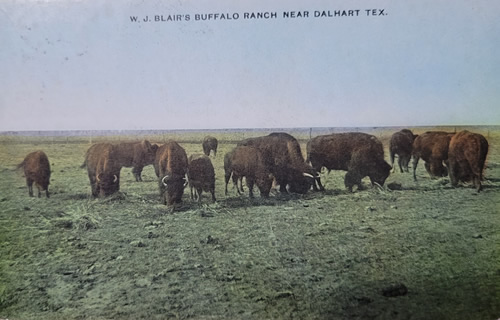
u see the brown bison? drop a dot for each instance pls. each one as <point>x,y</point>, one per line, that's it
<point>284,160</point>
<point>246,161</point>
<point>201,176</point>
<point>210,143</point>
<point>136,155</point>
<point>227,170</point>
<point>432,147</point>
<point>401,145</point>
<point>466,158</point>
<point>359,154</point>
<point>36,170</point>
<point>171,165</point>
<point>103,168</point>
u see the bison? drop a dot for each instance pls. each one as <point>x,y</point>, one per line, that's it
<point>36,170</point>
<point>171,165</point>
<point>201,176</point>
<point>136,155</point>
<point>401,145</point>
<point>432,147</point>
<point>284,160</point>
<point>227,170</point>
<point>466,157</point>
<point>359,154</point>
<point>247,161</point>
<point>210,143</point>
<point>103,168</point>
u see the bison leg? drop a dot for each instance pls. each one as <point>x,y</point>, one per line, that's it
<point>191,191</point>
<point>212,191</point>
<point>477,183</point>
<point>199,191</point>
<point>400,164</point>
<point>241,184</point>
<point>351,179</point>
<point>406,161</point>
<point>137,171</point>
<point>415,163</point>
<point>392,161</point>
<point>250,183</point>
<point>239,190</point>
<point>29,183</point>
<point>227,176</point>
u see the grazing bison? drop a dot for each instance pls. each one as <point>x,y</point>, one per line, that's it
<point>432,147</point>
<point>466,158</point>
<point>359,154</point>
<point>171,165</point>
<point>201,176</point>
<point>227,170</point>
<point>136,155</point>
<point>283,159</point>
<point>210,143</point>
<point>246,161</point>
<point>401,145</point>
<point>36,170</point>
<point>103,167</point>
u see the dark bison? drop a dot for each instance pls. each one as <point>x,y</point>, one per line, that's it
<point>359,154</point>
<point>201,175</point>
<point>432,147</point>
<point>284,160</point>
<point>210,143</point>
<point>246,161</point>
<point>103,167</point>
<point>227,170</point>
<point>136,155</point>
<point>36,170</point>
<point>401,144</point>
<point>171,164</point>
<point>466,158</point>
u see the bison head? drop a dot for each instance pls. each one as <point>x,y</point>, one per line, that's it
<point>172,187</point>
<point>380,173</point>
<point>303,182</point>
<point>107,183</point>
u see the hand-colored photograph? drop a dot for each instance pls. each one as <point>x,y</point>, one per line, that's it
<point>259,160</point>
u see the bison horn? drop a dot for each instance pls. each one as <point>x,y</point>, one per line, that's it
<point>378,185</point>
<point>185,182</point>
<point>115,178</point>
<point>308,175</point>
<point>97,178</point>
<point>163,180</point>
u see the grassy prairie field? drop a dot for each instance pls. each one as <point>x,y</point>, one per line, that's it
<point>428,251</point>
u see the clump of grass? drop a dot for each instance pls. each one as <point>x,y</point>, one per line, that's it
<point>83,217</point>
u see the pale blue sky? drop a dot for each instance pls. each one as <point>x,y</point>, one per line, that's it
<point>84,65</point>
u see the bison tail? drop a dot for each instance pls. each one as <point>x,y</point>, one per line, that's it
<point>84,164</point>
<point>19,166</point>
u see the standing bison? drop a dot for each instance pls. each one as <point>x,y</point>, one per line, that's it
<point>466,158</point>
<point>36,170</point>
<point>103,168</point>
<point>209,143</point>
<point>136,155</point>
<point>284,160</point>
<point>432,147</point>
<point>171,165</point>
<point>401,145</point>
<point>359,154</point>
<point>246,161</point>
<point>201,176</point>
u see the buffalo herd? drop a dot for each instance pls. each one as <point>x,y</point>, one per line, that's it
<point>275,158</point>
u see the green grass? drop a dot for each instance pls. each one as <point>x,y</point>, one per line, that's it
<point>316,256</point>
